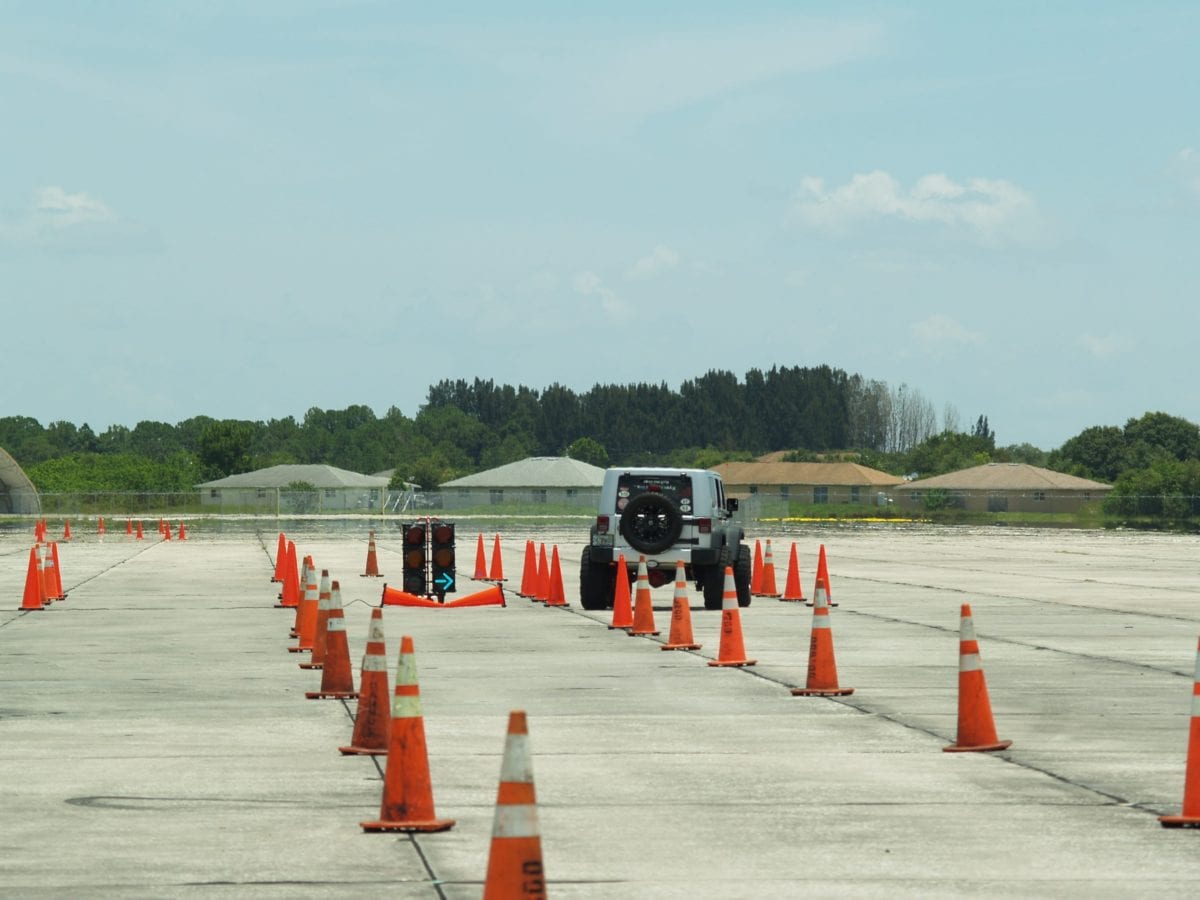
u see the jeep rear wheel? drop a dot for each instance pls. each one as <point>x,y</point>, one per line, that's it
<point>651,523</point>
<point>743,570</point>
<point>596,582</point>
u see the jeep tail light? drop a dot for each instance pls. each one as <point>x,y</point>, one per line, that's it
<point>704,526</point>
<point>601,524</point>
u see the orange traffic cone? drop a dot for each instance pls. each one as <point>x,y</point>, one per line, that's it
<point>681,615</point>
<point>822,667</point>
<point>556,596</point>
<point>515,857</point>
<point>66,530</point>
<point>59,593</point>
<point>643,609</point>
<point>166,531</point>
<point>280,559</point>
<point>767,587</point>
<point>45,574</point>
<point>32,598</point>
<point>528,572</point>
<point>337,680</point>
<point>1189,816</point>
<point>976,728</point>
<point>496,572</point>
<point>480,560</point>
<point>372,568</point>
<point>129,528</point>
<point>732,651</point>
<point>100,527</point>
<point>182,532</point>
<point>306,613</point>
<point>289,595</point>
<point>793,590</point>
<point>321,626</point>
<point>39,531</point>
<point>373,717</point>
<point>822,580</point>
<point>756,570</point>
<point>300,583</point>
<point>542,593</point>
<point>140,535</point>
<point>622,616</point>
<point>407,789</point>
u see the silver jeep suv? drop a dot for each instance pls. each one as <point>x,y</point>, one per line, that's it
<point>665,515</point>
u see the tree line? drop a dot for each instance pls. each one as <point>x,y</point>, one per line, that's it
<point>468,426</point>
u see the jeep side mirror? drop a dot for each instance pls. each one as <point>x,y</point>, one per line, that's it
<point>731,504</point>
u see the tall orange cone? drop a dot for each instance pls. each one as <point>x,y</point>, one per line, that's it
<point>542,593</point>
<point>528,572</point>
<point>515,857</point>
<point>66,530</point>
<point>129,528</point>
<point>100,527</point>
<point>821,583</point>
<point>324,608</point>
<point>182,532</point>
<point>372,568</point>
<point>822,667</point>
<point>556,596</point>
<point>306,613</point>
<point>46,573</point>
<point>280,559</point>
<point>680,637</point>
<point>337,679</point>
<point>480,560</point>
<point>32,598</point>
<point>793,590</point>
<point>407,788</point>
<point>622,616</point>
<point>767,586</point>
<point>289,595</point>
<point>1189,816</point>
<point>732,651</point>
<point>373,717</point>
<point>140,534</point>
<point>166,531</point>
<point>496,572</point>
<point>976,728</point>
<point>643,609</point>
<point>59,593</point>
<point>756,570</point>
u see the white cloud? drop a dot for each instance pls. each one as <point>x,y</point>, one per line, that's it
<point>940,330</point>
<point>53,206</point>
<point>1102,346</point>
<point>993,211</point>
<point>588,284</point>
<point>659,260</point>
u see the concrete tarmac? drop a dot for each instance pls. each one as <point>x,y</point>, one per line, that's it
<point>155,740</point>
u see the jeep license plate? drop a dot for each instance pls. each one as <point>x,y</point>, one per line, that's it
<point>602,540</point>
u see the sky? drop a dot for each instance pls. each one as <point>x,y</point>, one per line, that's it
<point>248,209</point>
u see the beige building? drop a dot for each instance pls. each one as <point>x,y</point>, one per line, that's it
<point>537,479</point>
<point>332,490</point>
<point>807,482</point>
<point>1001,487</point>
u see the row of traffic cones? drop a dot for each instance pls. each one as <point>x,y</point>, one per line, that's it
<point>541,577</point>
<point>164,529</point>
<point>763,581</point>
<point>514,860</point>
<point>485,572</point>
<point>43,578</point>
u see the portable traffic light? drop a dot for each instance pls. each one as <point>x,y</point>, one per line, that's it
<point>441,557</point>
<point>414,559</point>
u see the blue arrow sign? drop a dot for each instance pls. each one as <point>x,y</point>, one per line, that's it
<point>445,581</point>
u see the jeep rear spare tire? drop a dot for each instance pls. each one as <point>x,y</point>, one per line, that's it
<point>651,523</point>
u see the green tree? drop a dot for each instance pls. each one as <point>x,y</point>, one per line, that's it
<point>224,448</point>
<point>587,450</point>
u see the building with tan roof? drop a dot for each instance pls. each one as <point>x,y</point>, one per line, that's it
<point>807,482</point>
<point>1001,487</point>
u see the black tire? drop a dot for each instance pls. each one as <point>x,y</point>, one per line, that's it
<point>743,570</point>
<point>713,585</point>
<point>651,523</point>
<point>596,583</point>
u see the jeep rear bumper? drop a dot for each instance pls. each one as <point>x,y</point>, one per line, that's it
<point>692,556</point>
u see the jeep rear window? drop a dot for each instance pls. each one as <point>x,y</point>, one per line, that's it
<point>677,487</point>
